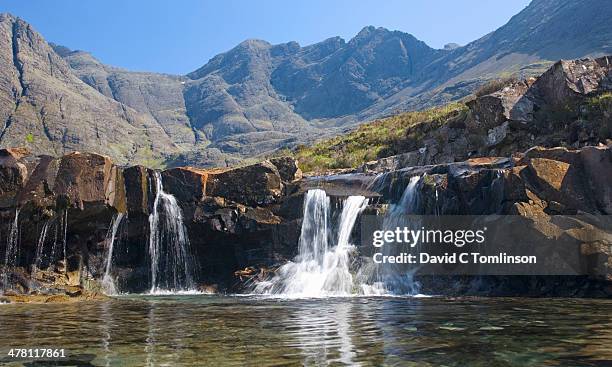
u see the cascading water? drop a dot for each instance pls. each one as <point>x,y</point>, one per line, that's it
<point>378,279</point>
<point>319,269</point>
<point>12,249</point>
<point>169,248</point>
<point>40,248</point>
<point>61,225</point>
<point>108,283</point>
<point>65,240</point>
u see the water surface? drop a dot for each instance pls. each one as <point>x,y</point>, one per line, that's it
<point>248,331</point>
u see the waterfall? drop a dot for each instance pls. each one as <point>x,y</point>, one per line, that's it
<point>319,269</point>
<point>389,278</point>
<point>40,248</point>
<point>12,249</point>
<point>54,246</point>
<point>108,283</point>
<point>171,263</point>
<point>65,240</point>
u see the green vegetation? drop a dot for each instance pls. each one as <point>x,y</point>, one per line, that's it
<point>600,103</point>
<point>29,138</point>
<point>375,140</point>
<point>599,109</point>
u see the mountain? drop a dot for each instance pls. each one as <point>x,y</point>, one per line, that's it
<point>45,105</point>
<point>258,97</point>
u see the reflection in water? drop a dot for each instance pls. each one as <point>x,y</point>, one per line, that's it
<point>105,329</point>
<point>319,332</point>
<point>150,341</point>
<point>239,331</point>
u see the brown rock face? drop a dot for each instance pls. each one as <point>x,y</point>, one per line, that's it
<point>136,180</point>
<point>287,168</point>
<point>13,176</point>
<point>88,178</point>
<point>255,185</point>
<point>251,215</point>
<point>187,184</point>
<point>552,173</point>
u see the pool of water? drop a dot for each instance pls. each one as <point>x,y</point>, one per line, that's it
<point>249,331</point>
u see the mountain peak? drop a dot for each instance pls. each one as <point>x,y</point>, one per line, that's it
<point>253,43</point>
<point>10,16</point>
<point>368,32</point>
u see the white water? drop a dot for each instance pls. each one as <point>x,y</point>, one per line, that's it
<point>319,269</point>
<point>12,249</point>
<point>108,283</point>
<point>65,240</point>
<point>382,279</point>
<point>40,248</point>
<point>63,226</point>
<point>171,263</point>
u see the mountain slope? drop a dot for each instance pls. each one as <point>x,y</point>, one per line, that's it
<point>153,94</point>
<point>544,32</point>
<point>258,97</point>
<point>45,106</point>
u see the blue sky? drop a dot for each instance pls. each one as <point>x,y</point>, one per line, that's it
<point>180,36</point>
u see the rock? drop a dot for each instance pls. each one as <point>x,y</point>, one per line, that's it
<point>187,184</point>
<point>254,185</point>
<point>287,168</point>
<point>508,104</point>
<point>89,179</point>
<point>138,189</point>
<point>497,134</point>
<point>38,190</point>
<point>567,81</point>
<point>410,159</point>
<point>597,163</point>
<point>550,173</point>
<point>13,175</point>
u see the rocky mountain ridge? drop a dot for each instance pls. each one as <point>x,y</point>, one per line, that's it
<point>258,97</point>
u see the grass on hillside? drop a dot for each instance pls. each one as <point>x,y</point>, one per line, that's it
<point>600,108</point>
<point>375,140</point>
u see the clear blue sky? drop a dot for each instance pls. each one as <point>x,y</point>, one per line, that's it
<point>180,36</point>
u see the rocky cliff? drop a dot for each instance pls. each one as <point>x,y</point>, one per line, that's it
<point>57,214</point>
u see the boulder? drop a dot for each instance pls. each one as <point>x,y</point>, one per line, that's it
<point>287,168</point>
<point>38,189</point>
<point>566,81</point>
<point>507,104</point>
<point>89,179</point>
<point>597,163</point>
<point>187,184</point>
<point>255,185</point>
<point>13,175</point>
<point>576,179</point>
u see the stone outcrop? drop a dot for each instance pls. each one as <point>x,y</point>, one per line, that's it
<point>554,193</point>
<point>567,106</point>
<point>249,217</point>
<point>229,214</point>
